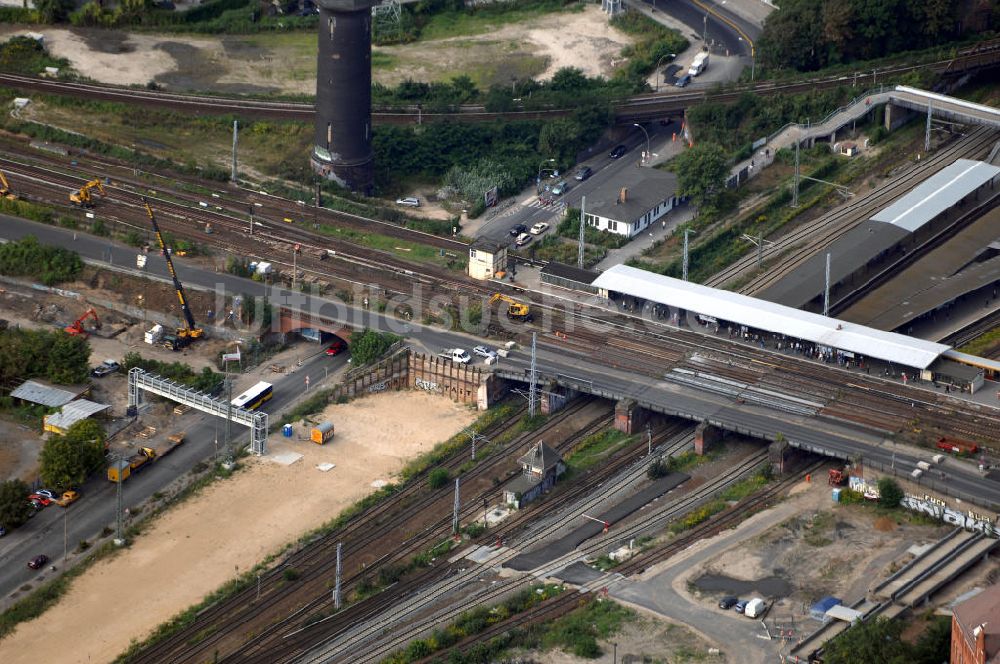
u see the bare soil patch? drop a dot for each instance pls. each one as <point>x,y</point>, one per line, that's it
<point>196,546</point>
<point>286,62</point>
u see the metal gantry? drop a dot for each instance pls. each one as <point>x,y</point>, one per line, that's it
<point>533,379</point>
<point>257,421</point>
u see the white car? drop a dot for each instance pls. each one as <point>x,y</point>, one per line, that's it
<point>539,228</point>
<point>523,239</point>
<point>484,351</point>
<point>409,201</point>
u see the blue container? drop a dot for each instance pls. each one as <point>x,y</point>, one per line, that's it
<point>287,430</point>
<point>836,494</point>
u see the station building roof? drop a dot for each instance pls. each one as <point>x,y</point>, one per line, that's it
<point>937,193</point>
<point>771,317</point>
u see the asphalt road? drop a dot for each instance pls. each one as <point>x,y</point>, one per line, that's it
<point>605,170</point>
<point>54,527</point>
<point>722,33</point>
<point>95,510</point>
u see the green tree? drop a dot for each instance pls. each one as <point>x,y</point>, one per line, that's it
<point>560,138</point>
<point>66,460</point>
<point>54,11</point>
<point>889,492</point>
<point>68,359</point>
<point>367,346</point>
<point>14,507</point>
<point>874,641</point>
<point>569,79</point>
<point>702,172</point>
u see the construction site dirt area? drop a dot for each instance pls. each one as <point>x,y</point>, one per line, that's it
<point>234,524</point>
<point>794,554</point>
<point>492,51</point>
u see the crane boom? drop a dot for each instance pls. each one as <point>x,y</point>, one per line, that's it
<point>191,331</point>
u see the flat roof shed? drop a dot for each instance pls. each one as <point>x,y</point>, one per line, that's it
<point>937,193</point>
<point>40,392</point>
<point>71,413</point>
<point>770,317</point>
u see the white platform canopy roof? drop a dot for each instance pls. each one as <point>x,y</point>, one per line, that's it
<point>937,193</point>
<point>763,315</point>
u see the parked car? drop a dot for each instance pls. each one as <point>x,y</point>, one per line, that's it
<point>517,230</point>
<point>740,606</point>
<point>539,228</point>
<point>48,494</point>
<point>104,368</point>
<point>523,239</point>
<point>561,188</point>
<point>584,173</point>
<point>755,608</point>
<point>3,531</point>
<point>39,501</point>
<point>38,561</point>
<point>683,80</point>
<point>336,347</point>
<point>68,498</point>
<point>484,351</point>
<point>618,152</point>
<point>409,201</point>
<point>728,602</point>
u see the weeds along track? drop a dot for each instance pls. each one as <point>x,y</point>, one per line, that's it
<point>379,640</point>
<point>374,539</point>
<point>797,246</point>
<point>318,620</point>
<point>569,600</point>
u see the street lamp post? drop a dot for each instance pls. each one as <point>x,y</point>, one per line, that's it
<point>646,133</point>
<point>659,73</point>
<point>538,179</point>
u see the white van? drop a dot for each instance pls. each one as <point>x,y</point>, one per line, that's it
<point>755,608</point>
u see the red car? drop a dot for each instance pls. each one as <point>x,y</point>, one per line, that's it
<point>38,561</point>
<point>44,501</point>
<point>336,348</point>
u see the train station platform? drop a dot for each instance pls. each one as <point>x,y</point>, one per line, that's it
<point>943,276</point>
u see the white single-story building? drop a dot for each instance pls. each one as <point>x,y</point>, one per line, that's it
<point>486,259</point>
<point>630,203</point>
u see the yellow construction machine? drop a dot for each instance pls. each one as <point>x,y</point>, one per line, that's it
<point>5,191</point>
<point>83,197</point>
<point>517,311</point>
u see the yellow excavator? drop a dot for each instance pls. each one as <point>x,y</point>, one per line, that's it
<point>83,197</point>
<point>5,191</point>
<point>516,311</point>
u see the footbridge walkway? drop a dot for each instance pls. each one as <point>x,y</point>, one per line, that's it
<point>901,101</point>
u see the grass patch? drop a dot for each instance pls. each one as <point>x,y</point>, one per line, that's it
<point>818,527</point>
<point>404,249</point>
<point>489,18</point>
<point>594,449</point>
<point>983,343</point>
<point>557,249</point>
<point>578,632</point>
<point>732,493</point>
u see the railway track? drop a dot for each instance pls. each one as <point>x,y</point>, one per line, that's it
<point>397,519</point>
<point>640,107</point>
<point>797,246</point>
<point>649,521</point>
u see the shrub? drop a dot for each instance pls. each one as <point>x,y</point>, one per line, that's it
<point>290,574</point>
<point>438,478</point>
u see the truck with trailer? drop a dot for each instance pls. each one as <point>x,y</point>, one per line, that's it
<point>956,446</point>
<point>700,64</point>
<point>122,469</point>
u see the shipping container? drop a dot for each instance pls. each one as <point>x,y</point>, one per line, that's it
<point>322,433</point>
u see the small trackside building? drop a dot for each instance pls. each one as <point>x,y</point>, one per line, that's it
<point>487,260</point>
<point>541,466</point>
<point>630,203</point>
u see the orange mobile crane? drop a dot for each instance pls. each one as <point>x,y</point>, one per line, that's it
<point>185,335</point>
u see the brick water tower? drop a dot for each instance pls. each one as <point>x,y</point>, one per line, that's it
<point>343,144</point>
